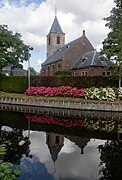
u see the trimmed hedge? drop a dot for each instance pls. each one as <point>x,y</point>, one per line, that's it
<point>13,84</point>
<point>75,81</point>
<point>19,84</point>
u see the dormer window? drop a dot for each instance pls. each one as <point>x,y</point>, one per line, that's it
<point>67,46</point>
<point>58,39</point>
<point>84,58</point>
<point>59,50</point>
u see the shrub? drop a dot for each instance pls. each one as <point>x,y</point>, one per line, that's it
<point>100,93</point>
<point>6,171</point>
<point>17,84</point>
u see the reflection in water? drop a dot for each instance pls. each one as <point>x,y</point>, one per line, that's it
<point>16,144</point>
<point>111,160</point>
<point>52,147</point>
<point>69,162</point>
<point>55,142</point>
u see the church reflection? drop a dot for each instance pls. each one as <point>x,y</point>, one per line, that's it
<point>55,142</point>
<point>81,142</point>
<point>36,144</point>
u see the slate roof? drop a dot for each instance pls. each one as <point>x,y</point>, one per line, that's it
<point>54,151</point>
<point>59,53</point>
<point>15,70</point>
<point>91,59</point>
<point>56,28</point>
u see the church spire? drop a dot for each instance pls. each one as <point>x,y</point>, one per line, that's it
<point>55,37</point>
<point>56,28</point>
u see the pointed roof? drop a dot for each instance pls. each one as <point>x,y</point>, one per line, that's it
<point>54,151</point>
<point>60,53</point>
<point>56,28</point>
<point>91,59</point>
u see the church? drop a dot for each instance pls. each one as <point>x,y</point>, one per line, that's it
<point>79,55</point>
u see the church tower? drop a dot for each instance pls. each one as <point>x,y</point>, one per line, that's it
<point>55,38</point>
<point>55,142</point>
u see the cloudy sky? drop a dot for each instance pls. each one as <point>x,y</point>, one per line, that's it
<point>33,19</point>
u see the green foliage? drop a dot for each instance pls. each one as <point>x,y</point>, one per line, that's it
<point>111,160</point>
<point>73,81</point>
<point>6,171</point>
<point>13,51</point>
<point>2,150</point>
<point>19,84</point>
<point>112,45</point>
<point>63,73</point>
<point>33,71</point>
<point>16,84</point>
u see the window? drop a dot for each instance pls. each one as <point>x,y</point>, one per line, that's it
<point>59,65</point>
<point>48,138</point>
<point>67,46</point>
<point>49,41</point>
<point>53,67</point>
<point>104,73</point>
<point>83,73</point>
<point>75,73</point>
<point>59,50</point>
<point>108,73</point>
<point>58,39</point>
<point>57,139</point>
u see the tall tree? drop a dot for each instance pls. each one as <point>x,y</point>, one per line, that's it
<point>112,45</point>
<point>13,51</point>
<point>33,71</point>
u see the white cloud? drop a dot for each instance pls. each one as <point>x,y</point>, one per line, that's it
<point>34,21</point>
<point>39,61</point>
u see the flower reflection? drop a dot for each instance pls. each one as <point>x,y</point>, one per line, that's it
<point>55,120</point>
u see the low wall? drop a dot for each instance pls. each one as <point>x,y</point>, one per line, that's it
<point>115,115</point>
<point>62,104</point>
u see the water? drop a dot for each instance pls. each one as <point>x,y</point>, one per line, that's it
<point>55,144</point>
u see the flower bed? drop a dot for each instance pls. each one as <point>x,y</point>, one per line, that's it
<point>109,94</point>
<point>55,120</point>
<point>64,91</point>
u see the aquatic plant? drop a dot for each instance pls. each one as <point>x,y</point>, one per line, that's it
<point>6,168</point>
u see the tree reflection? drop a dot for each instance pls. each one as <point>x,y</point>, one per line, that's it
<point>111,160</point>
<point>16,145</point>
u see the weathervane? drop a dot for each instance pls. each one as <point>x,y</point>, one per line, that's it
<point>55,10</point>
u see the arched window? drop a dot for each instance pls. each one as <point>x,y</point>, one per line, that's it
<point>59,65</point>
<point>58,39</point>
<point>48,70</point>
<point>57,139</point>
<point>49,41</point>
<point>53,67</point>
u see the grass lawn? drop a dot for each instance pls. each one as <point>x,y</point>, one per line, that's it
<point>19,96</point>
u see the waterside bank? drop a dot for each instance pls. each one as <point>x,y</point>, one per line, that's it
<point>65,103</point>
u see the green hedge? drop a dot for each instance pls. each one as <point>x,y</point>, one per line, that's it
<point>75,81</point>
<point>13,84</point>
<point>18,84</point>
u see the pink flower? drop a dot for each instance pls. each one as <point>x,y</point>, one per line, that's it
<point>56,91</point>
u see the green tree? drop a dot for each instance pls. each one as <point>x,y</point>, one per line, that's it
<point>63,73</point>
<point>13,51</point>
<point>33,71</point>
<point>112,45</point>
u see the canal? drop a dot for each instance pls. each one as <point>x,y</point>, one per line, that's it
<point>60,144</point>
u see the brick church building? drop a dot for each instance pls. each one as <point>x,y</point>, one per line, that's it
<point>79,55</point>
